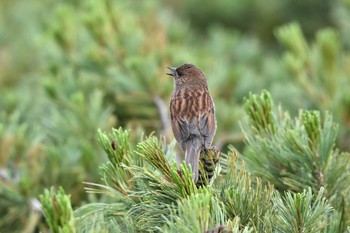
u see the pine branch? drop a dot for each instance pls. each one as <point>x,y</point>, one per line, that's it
<point>164,198</point>
<point>117,147</point>
<point>299,212</point>
<point>259,110</point>
<point>299,155</point>
<point>58,211</point>
<point>193,214</point>
<point>244,196</point>
<point>151,185</point>
<point>152,151</point>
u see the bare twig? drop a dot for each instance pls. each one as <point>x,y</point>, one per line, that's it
<point>163,112</point>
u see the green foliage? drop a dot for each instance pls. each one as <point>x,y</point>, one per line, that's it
<point>243,15</point>
<point>260,113</point>
<point>301,154</point>
<point>22,153</point>
<point>299,212</point>
<point>71,67</point>
<point>152,182</point>
<point>58,211</point>
<point>319,70</point>
<point>249,202</point>
<point>208,213</point>
<point>160,197</point>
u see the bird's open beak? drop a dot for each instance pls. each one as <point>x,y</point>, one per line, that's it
<point>173,71</point>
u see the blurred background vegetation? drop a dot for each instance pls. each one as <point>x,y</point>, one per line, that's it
<point>68,68</point>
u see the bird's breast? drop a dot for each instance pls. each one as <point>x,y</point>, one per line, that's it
<point>190,103</point>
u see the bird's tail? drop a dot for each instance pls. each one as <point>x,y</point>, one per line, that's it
<point>193,148</point>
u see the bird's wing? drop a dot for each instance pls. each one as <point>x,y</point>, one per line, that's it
<point>180,130</point>
<point>193,116</point>
<point>207,121</point>
<point>179,122</point>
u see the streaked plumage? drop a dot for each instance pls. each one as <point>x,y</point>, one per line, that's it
<point>192,113</point>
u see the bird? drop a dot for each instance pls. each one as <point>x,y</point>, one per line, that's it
<point>192,113</point>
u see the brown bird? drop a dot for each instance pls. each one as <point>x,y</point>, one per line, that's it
<point>192,113</point>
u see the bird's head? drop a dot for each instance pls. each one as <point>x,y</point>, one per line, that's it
<point>186,73</point>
